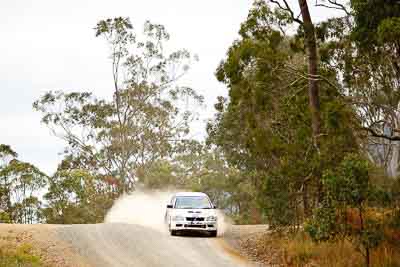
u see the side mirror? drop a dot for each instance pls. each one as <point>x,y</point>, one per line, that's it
<point>169,206</point>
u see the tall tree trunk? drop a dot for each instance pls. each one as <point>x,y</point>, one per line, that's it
<point>313,92</point>
<point>367,249</point>
<point>313,86</point>
<point>306,200</point>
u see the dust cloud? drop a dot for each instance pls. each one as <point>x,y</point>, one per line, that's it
<point>147,208</point>
<point>224,223</point>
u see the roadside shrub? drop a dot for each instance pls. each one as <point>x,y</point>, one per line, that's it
<point>20,256</point>
<point>5,217</point>
<point>278,202</point>
<point>345,212</point>
<point>324,226</point>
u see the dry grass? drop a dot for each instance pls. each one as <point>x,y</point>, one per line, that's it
<point>301,251</point>
<point>43,243</point>
<point>16,254</point>
<point>298,250</point>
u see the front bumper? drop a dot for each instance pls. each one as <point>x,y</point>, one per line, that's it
<point>195,226</point>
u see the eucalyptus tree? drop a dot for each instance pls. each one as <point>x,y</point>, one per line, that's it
<point>375,81</point>
<point>21,185</point>
<point>308,29</point>
<point>263,128</point>
<point>78,196</point>
<point>145,120</point>
<point>307,40</point>
<point>6,155</point>
<point>363,49</point>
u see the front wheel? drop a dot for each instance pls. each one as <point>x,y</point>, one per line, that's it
<point>213,233</point>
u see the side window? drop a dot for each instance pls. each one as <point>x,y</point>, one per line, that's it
<point>173,202</point>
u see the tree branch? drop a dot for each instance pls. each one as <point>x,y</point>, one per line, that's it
<point>334,5</point>
<point>375,134</point>
<point>287,9</point>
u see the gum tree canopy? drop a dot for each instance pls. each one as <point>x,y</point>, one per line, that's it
<point>142,122</point>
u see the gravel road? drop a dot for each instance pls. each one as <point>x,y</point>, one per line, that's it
<point>125,245</point>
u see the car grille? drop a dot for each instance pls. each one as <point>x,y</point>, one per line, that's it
<point>195,219</point>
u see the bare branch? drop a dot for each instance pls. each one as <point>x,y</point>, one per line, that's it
<point>287,9</point>
<point>384,136</point>
<point>307,76</point>
<point>333,5</point>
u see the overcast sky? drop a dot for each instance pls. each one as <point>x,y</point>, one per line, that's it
<point>50,45</point>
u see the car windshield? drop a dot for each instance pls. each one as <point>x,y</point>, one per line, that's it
<point>195,202</point>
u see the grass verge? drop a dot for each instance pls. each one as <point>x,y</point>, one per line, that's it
<point>16,254</point>
<point>295,250</point>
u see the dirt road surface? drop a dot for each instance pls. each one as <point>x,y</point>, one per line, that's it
<point>118,244</point>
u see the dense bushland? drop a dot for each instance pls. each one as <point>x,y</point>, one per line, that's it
<point>307,139</point>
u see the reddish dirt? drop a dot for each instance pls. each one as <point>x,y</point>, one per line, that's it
<point>248,242</point>
<point>46,245</point>
<point>240,242</point>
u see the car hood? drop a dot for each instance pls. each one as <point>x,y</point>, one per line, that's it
<point>195,212</point>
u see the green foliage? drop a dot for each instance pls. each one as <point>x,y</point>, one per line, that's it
<point>114,145</point>
<point>6,151</point>
<point>370,16</point>
<point>77,196</point>
<point>344,213</point>
<point>363,48</point>
<point>142,123</point>
<point>324,226</point>
<point>349,184</point>
<point>22,256</point>
<point>20,184</point>
<point>159,175</point>
<point>264,128</point>
<point>229,189</point>
<point>260,162</point>
<point>389,30</point>
<point>278,202</point>
<point>118,27</point>
<point>5,217</point>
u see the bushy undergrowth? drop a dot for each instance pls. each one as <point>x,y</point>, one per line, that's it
<point>302,251</point>
<point>298,249</point>
<point>17,256</point>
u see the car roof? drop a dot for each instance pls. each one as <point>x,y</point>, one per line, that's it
<point>190,194</point>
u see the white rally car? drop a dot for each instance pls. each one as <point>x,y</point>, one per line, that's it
<point>191,211</point>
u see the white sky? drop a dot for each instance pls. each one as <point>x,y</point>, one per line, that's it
<point>50,45</point>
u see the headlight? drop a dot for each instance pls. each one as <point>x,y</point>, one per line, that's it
<point>212,218</point>
<point>178,218</point>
